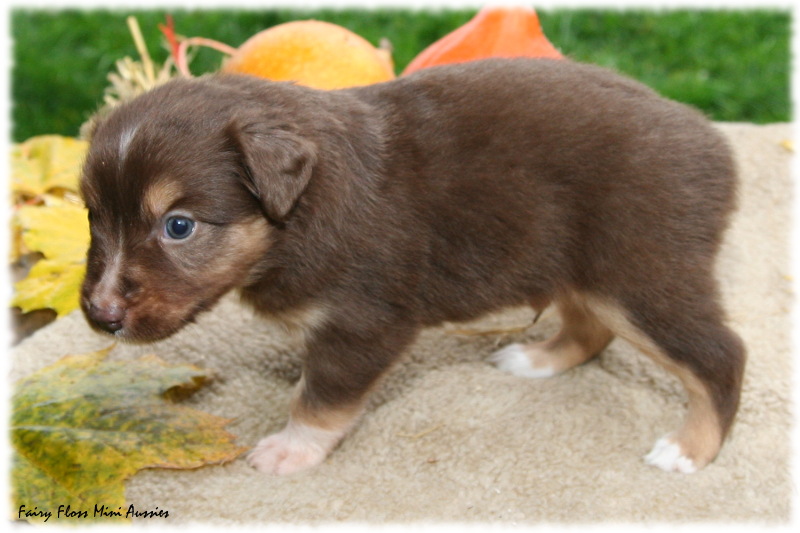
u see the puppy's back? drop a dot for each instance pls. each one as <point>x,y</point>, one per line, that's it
<point>560,123</point>
<point>569,114</point>
<point>589,175</point>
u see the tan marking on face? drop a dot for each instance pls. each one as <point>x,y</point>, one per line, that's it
<point>222,266</point>
<point>700,436</point>
<point>245,243</point>
<point>160,196</point>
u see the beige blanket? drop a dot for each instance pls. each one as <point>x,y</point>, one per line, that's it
<point>448,438</point>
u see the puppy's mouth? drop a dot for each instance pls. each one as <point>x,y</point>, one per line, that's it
<point>133,324</point>
<point>134,335</point>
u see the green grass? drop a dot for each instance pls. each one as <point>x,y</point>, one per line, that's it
<point>732,64</point>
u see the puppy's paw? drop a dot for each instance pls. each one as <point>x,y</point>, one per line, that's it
<point>521,360</point>
<point>669,456</point>
<point>298,447</point>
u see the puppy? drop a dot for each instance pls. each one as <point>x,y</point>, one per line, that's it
<point>363,215</point>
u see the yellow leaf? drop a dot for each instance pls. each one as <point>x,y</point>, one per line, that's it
<point>82,426</point>
<point>50,285</point>
<point>60,232</point>
<point>45,173</point>
<point>44,163</point>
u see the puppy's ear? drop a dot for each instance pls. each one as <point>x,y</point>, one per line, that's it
<point>278,164</point>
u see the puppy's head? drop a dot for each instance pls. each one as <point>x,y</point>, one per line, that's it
<point>185,188</point>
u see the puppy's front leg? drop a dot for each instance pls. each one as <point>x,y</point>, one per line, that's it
<point>306,440</point>
<point>341,367</point>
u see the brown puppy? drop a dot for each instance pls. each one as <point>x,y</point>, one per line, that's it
<point>361,216</point>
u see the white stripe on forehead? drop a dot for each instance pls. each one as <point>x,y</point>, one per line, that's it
<point>125,139</point>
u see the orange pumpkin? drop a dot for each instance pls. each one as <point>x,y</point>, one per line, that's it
<point>309,52</point>
<point>493,32</point>
<point>313,53</point>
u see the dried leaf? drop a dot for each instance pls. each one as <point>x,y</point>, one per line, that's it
<point>82,426</point>
<point>61,234</point>
<point>50,285</point>
<point>42,164</point>
<point>50,219</point>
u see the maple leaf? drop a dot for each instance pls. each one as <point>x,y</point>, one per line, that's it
<point>46,163</point>
<point>82,426</point>
<point>61,234</point>
<point>49,219</point>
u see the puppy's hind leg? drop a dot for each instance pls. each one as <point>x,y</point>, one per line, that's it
<point>582,336</point>
<point>690,341</point>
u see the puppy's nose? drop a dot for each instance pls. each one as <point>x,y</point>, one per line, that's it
<point>108,316</point>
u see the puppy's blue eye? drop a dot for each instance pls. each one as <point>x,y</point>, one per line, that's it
<point>178,227</point>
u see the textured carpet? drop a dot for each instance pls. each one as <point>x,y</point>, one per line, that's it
<point>448,438</point>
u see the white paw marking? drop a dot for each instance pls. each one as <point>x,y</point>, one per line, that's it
<point>668,455</point>
<point>514,359</point>
<point>298,447</point>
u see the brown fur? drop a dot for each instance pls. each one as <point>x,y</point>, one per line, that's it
<point>440,196</point>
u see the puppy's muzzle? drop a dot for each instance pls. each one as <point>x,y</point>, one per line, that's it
<point>107,315</point>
